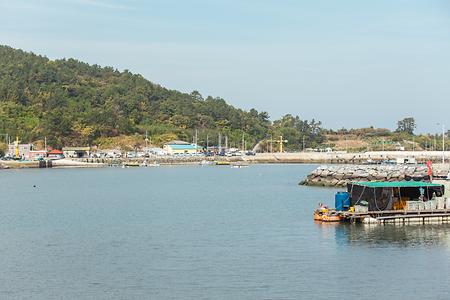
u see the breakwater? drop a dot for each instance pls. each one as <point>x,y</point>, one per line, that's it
<point>346,158</point>
<point>340,175</point>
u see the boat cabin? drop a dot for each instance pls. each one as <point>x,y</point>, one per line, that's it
<point>399,195</point>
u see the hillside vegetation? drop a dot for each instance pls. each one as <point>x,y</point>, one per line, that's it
<point>73,103</point>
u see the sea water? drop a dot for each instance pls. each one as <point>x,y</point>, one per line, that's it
<point>197,232</point>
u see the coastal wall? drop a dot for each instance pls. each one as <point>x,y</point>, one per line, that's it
<point>340,175</point>
<point>345,158</point>
<point>298,157</point>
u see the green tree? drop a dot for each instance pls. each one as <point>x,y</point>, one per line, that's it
<point>407,125</point>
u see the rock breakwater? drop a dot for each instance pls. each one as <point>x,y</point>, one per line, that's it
<point>340,175</point>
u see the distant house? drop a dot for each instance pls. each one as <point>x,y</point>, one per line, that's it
<point>154,151</point>
<point>55,154</point>
<point>20,150</point>
<point>76,152</point>
<point>180,147</point>
<point>37,154</point>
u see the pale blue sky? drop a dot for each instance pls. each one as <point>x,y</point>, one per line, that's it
<point>347,63</point>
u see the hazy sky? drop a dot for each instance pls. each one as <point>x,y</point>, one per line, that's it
<point>347,63</point>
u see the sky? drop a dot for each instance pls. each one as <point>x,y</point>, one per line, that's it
<point>347,63</point>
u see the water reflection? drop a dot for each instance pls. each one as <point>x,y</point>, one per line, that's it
<point>387,236</point>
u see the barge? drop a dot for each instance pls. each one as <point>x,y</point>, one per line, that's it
<point>400,202</point>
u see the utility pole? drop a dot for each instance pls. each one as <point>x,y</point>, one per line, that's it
<point>226,142</point>
<point>243,142</point>
<point>45,144</point>
<point>146,139</point>
<point>443,143</point>
<point>196,140</point>
<point>220,143</point>
<point>207,142</point>
<point>271,144</point>
<point>303,143</point>
<point>435,144</point>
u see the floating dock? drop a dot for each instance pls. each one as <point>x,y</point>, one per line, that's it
<point>433,216</point>
<point>401,202</point>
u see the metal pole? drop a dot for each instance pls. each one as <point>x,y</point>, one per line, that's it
<point>443,143</point>
<point>271,144</point>
<point>196,140</point>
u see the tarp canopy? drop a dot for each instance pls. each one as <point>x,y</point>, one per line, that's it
<point>381,184</point>
<point>382,195</point>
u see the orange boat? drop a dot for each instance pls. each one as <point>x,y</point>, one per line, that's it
<point>331,218</point>
<point>325,215</point>
<point>317,216</point>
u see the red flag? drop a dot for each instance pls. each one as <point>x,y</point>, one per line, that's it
<point>430,169</point>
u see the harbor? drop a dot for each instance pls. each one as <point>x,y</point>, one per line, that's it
<point>128,229</point>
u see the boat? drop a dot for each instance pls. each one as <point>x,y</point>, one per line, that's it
<point>397,202</point>
<point>323,214</point>
<point>331,217</point>
<point>239,165</point>
<point>206,163</point>
<point>317,216</point>
<point>222,163</point>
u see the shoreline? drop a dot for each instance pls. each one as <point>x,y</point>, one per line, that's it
<point>334,158</point>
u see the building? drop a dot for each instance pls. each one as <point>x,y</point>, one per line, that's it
<point>77,152</point>
<point>180,147</point>
<point>55,154</point>
<point>154,151</point>
<point>37,154</point>
<point>21,151</point>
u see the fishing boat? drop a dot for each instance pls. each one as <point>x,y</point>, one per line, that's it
<point>239,165</point>
<point>154,164</point>
<point>222,163</point>
<point>323,214</point>
<point>399,202</point>
<point>206,163</point>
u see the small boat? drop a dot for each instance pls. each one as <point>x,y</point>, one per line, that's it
<point>206,163</point>
<point>317,216</point>
<point>331,218</point>
<point>323,214</point>
<point>222,163</point>
<point>239,166</point>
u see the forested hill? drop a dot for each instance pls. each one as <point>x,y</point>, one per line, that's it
<point>74,103</point>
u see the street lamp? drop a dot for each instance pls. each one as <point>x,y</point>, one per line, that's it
<point>443,142</point>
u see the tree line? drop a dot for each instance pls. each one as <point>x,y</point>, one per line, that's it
<point>73,103</point>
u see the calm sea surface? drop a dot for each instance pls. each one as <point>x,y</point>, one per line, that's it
<point>201,233</point>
